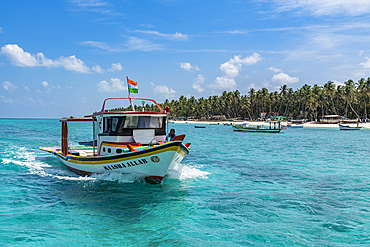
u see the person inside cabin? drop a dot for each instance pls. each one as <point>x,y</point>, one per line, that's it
<point>170,135</point>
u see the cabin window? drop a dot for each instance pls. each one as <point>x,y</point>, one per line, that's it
<point>107,124</point>
<point>131,122</point>
<point>123,126</point>
<point>114,124</point>
<point>103,149</point>
<point>109,150</point>
<point>149,122</point>
<point>118,151</point>
<point>156,122</point>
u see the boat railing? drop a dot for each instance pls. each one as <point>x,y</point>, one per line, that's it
<point>151,100</point>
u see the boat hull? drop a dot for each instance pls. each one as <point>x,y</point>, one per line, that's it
<point>153,162</point>
<point>253,129</point>
<point>344,127</point>
<point>295,126</point>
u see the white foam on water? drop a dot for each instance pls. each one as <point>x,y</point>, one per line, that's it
<point>183,172</point>
<point>119,177</point>
<point>28,159</point>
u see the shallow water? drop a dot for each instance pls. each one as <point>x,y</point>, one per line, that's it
<point>301,187</point>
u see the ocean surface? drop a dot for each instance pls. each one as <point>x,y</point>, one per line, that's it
<point>300,187</point>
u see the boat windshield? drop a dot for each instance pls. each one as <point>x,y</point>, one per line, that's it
<point>125,125</point>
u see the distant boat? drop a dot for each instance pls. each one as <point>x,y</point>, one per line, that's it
<point>295,125</point>
<point>90,143</point>
<point>196,126</point>
<point>274,127</point>
<point>347,127</point>
<point>227,124</point>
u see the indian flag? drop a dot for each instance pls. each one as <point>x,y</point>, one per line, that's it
<point>132,86</point>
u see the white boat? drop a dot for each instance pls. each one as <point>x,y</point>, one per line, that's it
<point>348,127</point>
<point>127,142</point>
<point>273,127</point>
<point>295,125</point>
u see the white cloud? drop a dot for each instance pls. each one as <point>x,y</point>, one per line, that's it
<point>72,63</point>
<point>232,67</point>
<point>26,88</point>
<point>361,52</point>
<point>163,90</point>
<point>255,87</point>
<point>276,70</point>
<point>97,69</point>
<point>1,30</point>
<point>9,86</point>
<point>19,57</point>
<point>89,3</point>
<point>6,100</point>
<point>188,66</point>
<point>325,7</point>
<point>30,99</point>
<point>283,79</point>
<point>115,85</point>
<point>223,83</point>
<point>231,70</point>
<point>337,83</point>
<point>137,44</point>
<point>180,36</point>
<point>366,64</point>
<point>45,83</point>
<point>266,83</point>
<point>100,45</point>
<point>177,35</point>
<point>115,67</point>
<point>197,81</point>
<point>185,66</point>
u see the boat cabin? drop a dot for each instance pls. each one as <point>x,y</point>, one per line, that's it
<point>117,132</point>
<point>330,119</point>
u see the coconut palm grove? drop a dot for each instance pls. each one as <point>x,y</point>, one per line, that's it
<point>308,102</point>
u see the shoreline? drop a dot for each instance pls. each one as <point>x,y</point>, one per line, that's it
<point>306,125</point>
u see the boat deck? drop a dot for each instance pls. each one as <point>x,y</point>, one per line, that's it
<point>86,151</point>
<point>78,151</point>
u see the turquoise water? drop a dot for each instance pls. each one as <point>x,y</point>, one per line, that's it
<point>301,187</point>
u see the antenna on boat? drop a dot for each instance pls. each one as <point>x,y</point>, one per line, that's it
<point>128,90</point>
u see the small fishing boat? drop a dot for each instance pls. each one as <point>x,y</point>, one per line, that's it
<point>89,143</point>
<point>348,127</point>
<point>295,125</point>
<point>197,126</point>
<point>273,127</point>
<point>126,142</point>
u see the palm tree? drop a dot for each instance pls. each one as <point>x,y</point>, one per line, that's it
<point>349,90</point>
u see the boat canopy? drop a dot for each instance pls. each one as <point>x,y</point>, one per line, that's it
<point>103,111</point>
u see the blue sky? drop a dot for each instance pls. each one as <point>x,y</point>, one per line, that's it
<point>64,57</point>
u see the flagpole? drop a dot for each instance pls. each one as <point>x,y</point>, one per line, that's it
<point>132,106</point>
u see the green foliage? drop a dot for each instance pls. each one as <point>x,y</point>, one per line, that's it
<point>308,102</point>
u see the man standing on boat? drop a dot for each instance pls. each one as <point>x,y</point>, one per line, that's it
<point>170,135</point>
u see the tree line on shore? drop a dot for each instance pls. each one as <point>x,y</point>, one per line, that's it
<point>308,102</point>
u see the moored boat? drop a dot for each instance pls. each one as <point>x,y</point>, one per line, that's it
<point>295,125</point>
<point>348,127</point>
<point>127,142</point>
<point>273,127</point>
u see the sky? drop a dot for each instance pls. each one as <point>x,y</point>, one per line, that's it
<point>64,57</point>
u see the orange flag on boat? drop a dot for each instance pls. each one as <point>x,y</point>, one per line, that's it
<point>132,86</point>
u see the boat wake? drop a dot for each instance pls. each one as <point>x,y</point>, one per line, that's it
<point>183,172</point>
<point>21,157</point>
